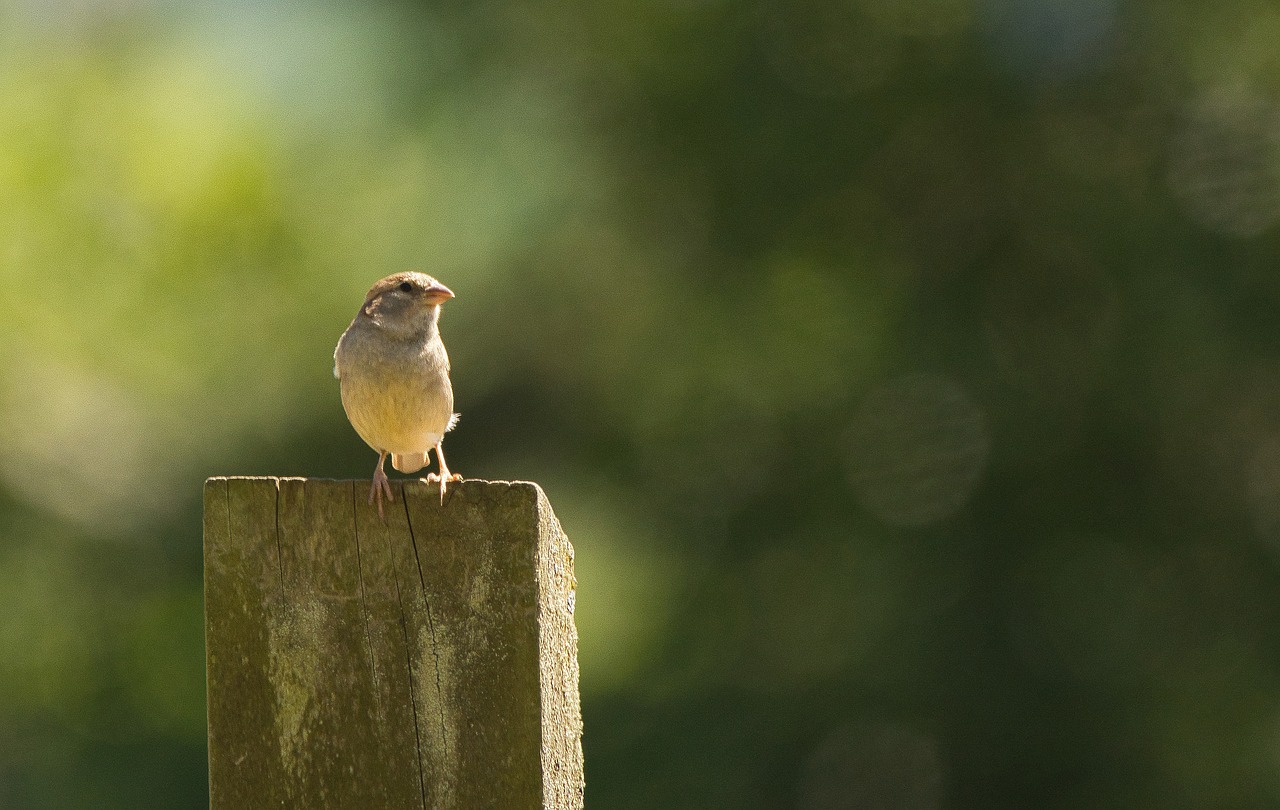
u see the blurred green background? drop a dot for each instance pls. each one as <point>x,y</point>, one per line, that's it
<point>907,374</point>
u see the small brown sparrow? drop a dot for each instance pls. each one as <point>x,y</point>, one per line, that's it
<point>393,372</point>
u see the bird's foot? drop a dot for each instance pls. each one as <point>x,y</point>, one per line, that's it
<point>444,476</point>
<point>443,479</point>
<point>380,486</point>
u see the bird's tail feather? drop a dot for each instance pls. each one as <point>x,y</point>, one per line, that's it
<point>409,463</point>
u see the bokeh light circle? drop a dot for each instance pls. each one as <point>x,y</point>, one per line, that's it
<point>1224,163</point>
<point>916,450</point>
<point>873,766</point>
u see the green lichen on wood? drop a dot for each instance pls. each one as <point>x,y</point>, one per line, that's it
<point>425,660</point>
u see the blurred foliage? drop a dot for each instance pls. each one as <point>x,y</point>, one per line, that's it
<point>907,375</point>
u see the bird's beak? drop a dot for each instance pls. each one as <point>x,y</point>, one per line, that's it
<point>437,294</point>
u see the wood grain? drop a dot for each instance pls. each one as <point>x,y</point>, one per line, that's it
<point>428,660</point>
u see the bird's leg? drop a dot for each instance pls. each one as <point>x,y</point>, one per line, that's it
<point>444,476</point>
<point>380,484</point>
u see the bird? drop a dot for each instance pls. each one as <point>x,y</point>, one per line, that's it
<point>393,375</point>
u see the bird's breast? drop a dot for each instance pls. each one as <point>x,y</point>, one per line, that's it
<point>399,402</point>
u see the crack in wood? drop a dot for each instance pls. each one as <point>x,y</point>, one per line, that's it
<point>431,628</point>
<point>408,662</point>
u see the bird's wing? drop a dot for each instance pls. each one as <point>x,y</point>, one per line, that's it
<point>453,420</point>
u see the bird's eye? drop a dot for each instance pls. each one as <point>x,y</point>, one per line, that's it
<point>406,287</point>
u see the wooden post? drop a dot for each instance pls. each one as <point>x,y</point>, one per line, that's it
<point>428,661</point>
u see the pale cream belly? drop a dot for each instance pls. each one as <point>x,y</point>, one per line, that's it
<point>397,418</point>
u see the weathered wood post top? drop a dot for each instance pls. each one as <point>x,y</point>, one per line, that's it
<point>428,660</point>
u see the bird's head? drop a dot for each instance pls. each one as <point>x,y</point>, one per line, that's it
<point>406,302</point>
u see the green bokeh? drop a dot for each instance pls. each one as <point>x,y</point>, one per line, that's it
<point>907,375</point>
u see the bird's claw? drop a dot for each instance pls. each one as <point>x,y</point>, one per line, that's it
<point>380,486</point>
<point>443,481</point>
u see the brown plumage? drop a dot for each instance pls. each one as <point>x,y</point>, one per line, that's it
<point>393,372</point>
